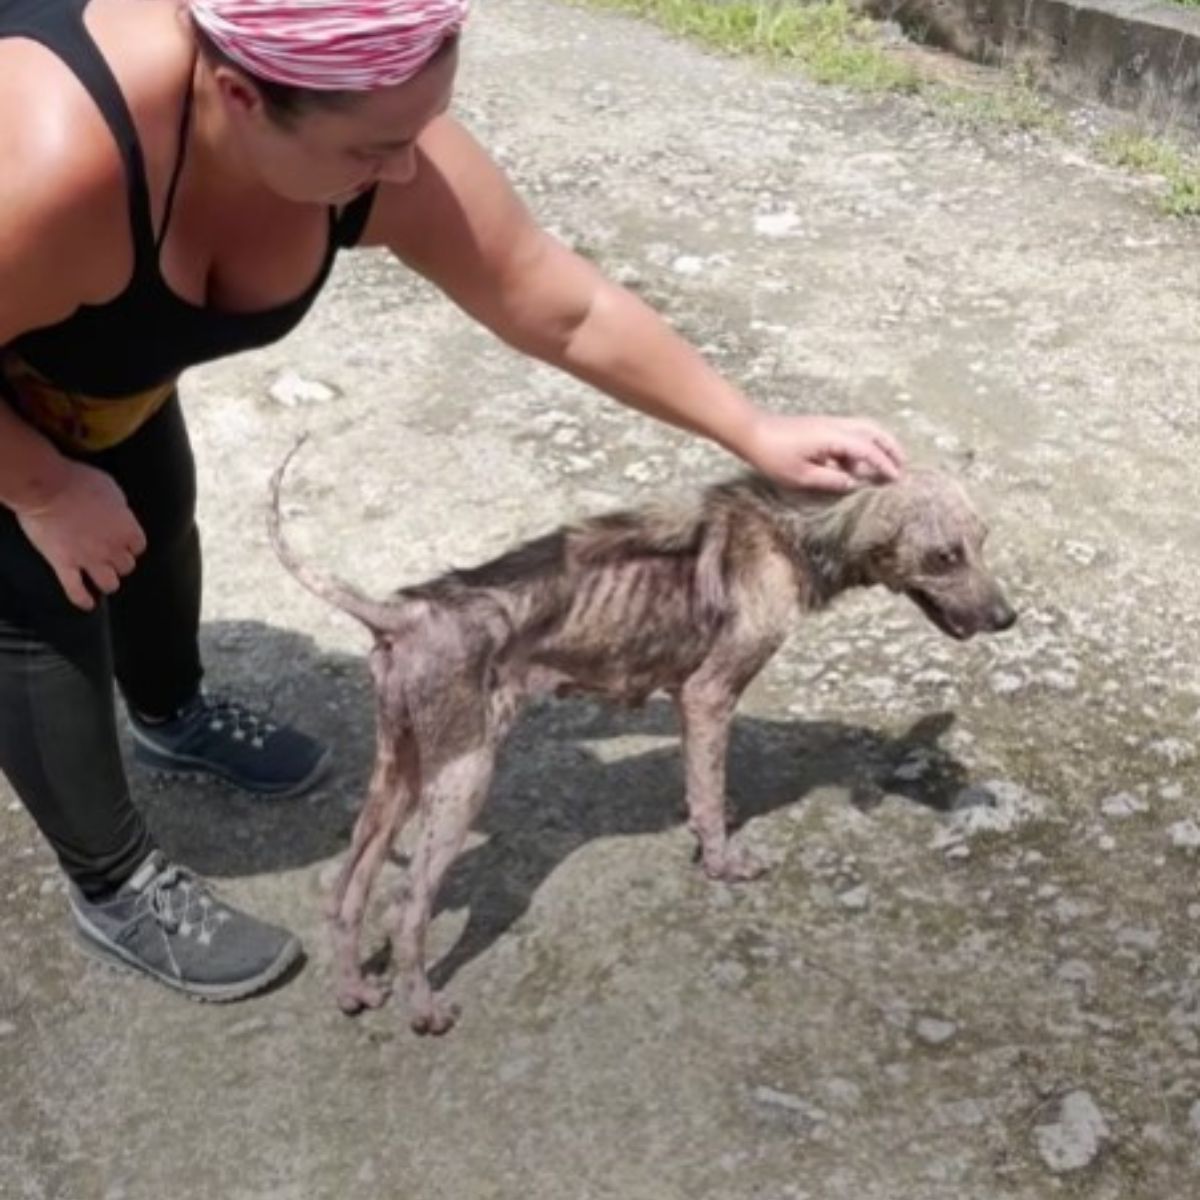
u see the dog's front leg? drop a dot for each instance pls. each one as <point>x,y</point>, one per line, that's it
<point>706,708</point>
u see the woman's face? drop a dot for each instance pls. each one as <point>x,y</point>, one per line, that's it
<point>329,155</point>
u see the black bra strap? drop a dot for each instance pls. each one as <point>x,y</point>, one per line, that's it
<point>185,124</point>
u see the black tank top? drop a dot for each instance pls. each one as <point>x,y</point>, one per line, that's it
<point>145,337</point>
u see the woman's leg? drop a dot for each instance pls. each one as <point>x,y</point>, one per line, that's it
<point>155,614</point>
<point>155,619</point>
<point>58,733</point>
<point>58,736</point>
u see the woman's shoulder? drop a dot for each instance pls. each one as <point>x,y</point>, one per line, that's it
<point>64,194</point>
<point>61,176</point>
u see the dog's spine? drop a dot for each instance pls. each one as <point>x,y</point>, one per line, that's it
<point>380,617</point>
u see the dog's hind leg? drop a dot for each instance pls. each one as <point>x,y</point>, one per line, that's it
<point>390,799</point>
<point>450,802</point>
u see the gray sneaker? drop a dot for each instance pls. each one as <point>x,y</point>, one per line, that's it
<point>218,736</point>
<point>167,923</point>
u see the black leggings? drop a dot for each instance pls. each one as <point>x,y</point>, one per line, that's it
<point>58,729</point>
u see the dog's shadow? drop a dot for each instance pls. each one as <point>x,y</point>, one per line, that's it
<point>560,787</point>
<point>572,772</point>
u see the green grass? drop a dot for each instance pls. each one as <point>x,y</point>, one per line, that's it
<point>1153,156</point>
<point>1017,106</point>
<point>831,43</point>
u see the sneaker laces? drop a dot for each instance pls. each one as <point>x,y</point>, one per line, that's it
<point>237,720</point>
<point>181,903</point>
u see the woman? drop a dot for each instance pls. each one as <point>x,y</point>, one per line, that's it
<point>177,193</point>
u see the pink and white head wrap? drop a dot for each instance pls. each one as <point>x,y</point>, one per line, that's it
<point>330,45</point>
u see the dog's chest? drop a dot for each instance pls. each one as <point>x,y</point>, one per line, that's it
<point>625,634</point>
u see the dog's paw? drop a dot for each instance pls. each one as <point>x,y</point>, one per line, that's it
<point>734,865</point>
<point>354,996</point>
<point>436,1016</point>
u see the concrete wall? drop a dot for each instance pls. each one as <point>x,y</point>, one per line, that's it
<point>1140,56</point>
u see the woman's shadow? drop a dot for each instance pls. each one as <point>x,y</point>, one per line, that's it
<point>564,779</point>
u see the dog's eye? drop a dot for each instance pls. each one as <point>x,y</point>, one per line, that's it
<point>945,559</point>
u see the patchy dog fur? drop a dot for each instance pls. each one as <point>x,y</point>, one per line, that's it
<point>692,601</point>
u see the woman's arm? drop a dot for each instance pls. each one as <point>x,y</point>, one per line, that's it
<point>460,224</point>
<point>75,516</point>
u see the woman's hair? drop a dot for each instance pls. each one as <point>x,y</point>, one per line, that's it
<point>283,102</point>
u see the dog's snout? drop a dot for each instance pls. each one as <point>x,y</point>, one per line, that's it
<point>1003,616</point>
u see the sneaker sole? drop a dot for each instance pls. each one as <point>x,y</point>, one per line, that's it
<point>216,993</point>
<point>183,766</point>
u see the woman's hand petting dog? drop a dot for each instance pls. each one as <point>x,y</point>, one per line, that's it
<point>826,454</point>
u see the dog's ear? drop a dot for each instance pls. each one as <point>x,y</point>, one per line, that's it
<point>873,522</point>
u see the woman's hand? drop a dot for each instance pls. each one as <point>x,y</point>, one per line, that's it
<point>85,530</point>
<point>829,454</point>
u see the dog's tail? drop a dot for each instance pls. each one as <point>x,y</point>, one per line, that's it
<point>379,616</point>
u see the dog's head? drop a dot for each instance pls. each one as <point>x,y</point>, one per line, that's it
<point>922,536</point>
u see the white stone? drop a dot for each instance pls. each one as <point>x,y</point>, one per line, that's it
<point>688,264</point>
<point>933,676</point>
<point>1145,940</point>
<point>1185,834</point>
<point>1123,804</point>
<point>1074,1140</point>
<point>951,843</point>
<point>778,1099</point>
<point>1173,750</point>
<point>292,390</point>
<point>1005,683</point>
<point>776,224</point>
<point>1011,807</point>
<point>856,898</point>
<point>934,1031</point>
<point>1060,681</point>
